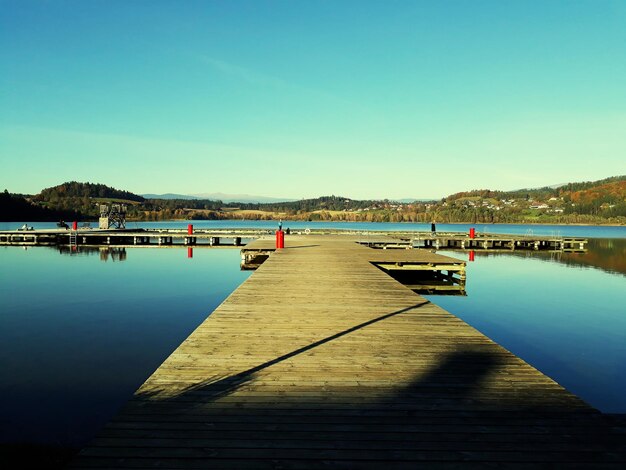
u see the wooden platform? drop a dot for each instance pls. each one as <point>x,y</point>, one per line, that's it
<point>321,360</point>
<point>421,270</point>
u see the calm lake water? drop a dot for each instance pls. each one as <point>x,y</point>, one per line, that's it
<point>81,332</point>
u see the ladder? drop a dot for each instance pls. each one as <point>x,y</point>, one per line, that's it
<point>73,238</point>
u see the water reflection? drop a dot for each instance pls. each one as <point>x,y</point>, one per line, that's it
<point>104,252</point>
<point>71,354</point>
<point>605,254</point>
<point>79,336</point>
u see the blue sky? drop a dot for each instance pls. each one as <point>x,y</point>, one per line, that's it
<point>301,99</point>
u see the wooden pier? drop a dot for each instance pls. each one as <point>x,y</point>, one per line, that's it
<point>322,360</point>
<point>238,237</point>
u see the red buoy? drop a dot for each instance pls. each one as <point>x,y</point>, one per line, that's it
<point>74,225</point>
<point>472,232</point>
<point>190,229</point>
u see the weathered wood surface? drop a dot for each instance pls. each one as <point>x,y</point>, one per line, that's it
<point>321,360</point>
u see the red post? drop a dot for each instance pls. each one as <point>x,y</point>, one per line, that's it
<point>190,229</point>
<point>74,225</point>
<point>280,239</point>
<point>472,233</point>
<point>471,255</point>
<point>189,252</point>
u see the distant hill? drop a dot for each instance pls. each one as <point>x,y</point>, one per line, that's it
<point>411,200</point>
<point>557,189</point>
<point>599,201</point>
<point>591,184</point>
<point>599,189</point>
<point>606,199</point>
<point>248,198</point>
<point>240,198</point>
<point>326,203</point>
<point>227,198</point>
<point>82,198</point>
<point>614,192</point>
<point>169,196</point>
<point>89,190</point>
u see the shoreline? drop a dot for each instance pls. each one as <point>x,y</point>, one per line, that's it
<point>374,222</point>
<point>191,221</point>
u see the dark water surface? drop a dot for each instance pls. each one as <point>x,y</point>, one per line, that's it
<point>81,332</point>
<point>564,314</point>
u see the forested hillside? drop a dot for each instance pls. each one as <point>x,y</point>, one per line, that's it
<point>74,189</point>
<point>598,202</point>
<point>15,208</point>
<point>83,198</point>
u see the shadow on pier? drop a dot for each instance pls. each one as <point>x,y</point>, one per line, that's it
<point>460,410</point>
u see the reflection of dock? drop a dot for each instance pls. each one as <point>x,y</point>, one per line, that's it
<point>114,253</point>
<point>321,360</point>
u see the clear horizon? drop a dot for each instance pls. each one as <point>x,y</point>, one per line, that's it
<point>367,100</point>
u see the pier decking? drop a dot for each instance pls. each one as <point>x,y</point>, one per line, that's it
<point>322,360</point>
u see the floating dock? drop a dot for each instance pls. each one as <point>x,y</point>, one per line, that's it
<point>419,270</point>
<point>492,241</point>
<point>322,360</point>
<point>238,237</point>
